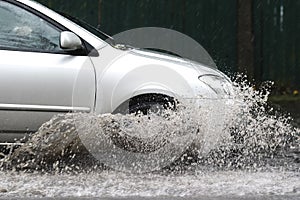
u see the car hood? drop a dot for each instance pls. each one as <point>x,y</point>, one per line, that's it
<point>183,62</point>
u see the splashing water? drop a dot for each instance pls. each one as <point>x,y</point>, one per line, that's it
<point>136,143</point>
<point>250,136</point>
<point>261,137</point>
<point>248,148</point>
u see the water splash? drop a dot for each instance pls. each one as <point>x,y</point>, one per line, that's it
<point>71,140</point>
<point>261,137</point>
<point>252,136</point>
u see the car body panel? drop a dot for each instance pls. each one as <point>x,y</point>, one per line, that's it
<point>42,84</point>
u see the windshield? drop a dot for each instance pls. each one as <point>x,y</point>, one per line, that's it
<point>90,28</point>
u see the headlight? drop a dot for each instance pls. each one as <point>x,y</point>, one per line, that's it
<point>218,84</point>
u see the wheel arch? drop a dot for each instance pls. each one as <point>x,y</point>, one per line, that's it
<point>118,85</point>
<point>144,97</point>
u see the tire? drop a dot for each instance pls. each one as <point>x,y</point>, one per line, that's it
<point>151,104</point>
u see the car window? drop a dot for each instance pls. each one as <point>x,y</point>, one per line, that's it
<point>22,30</point>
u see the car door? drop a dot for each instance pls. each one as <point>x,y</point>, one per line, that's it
<point>37,78</point>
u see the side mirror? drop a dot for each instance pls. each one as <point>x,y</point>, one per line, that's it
<point>69,41</point>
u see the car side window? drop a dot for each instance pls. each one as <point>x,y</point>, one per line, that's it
<point>24,31</point>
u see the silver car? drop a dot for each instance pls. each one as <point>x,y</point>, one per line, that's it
<point>50,64</point>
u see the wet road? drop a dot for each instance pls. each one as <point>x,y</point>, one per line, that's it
<point>271,197</point>
<point>118,185</point>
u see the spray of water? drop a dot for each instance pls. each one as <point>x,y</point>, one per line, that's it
<point>251,136</point>
<point>261,138</point>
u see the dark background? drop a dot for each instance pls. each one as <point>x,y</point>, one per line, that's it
<point>260,38</point>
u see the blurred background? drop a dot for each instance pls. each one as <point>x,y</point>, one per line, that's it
<point>260,38</point>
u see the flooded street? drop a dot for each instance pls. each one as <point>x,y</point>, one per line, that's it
<point>255,156</point>
<point>107,184</point>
